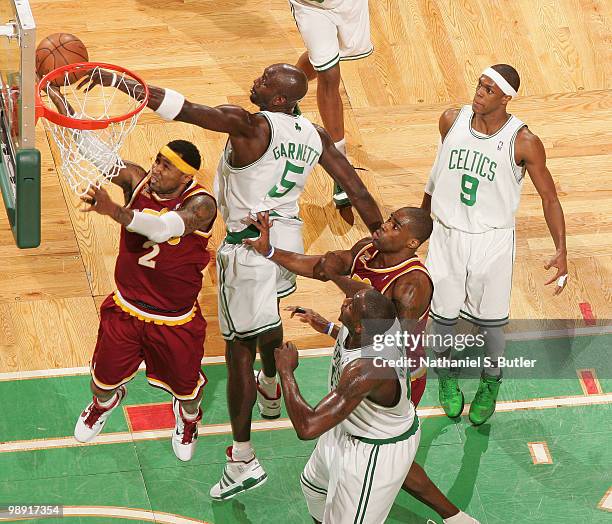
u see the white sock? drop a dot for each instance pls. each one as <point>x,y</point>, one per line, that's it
<point>341,146</point>
<point>242,451</point>
<point>109,402</point>
<point>460,518</point>
<point>268,384</point>
<point>189,416</point>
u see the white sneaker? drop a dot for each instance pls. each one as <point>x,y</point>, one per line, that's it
<point>94,416</point>
<point>238,476</point>
<point>269,407</point>
<point>185,436</point>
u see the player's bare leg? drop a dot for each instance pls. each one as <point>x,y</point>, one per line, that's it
<point>241,391</point>
<point>94,416</point>
<point>331,109</point>
<point>304,64</point>
<point>420,486</point>
<point>185,437</point>
<point>268,388</point>
<point>242,470</point>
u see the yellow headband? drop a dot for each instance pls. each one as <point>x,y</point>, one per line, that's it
<point>177,161</point>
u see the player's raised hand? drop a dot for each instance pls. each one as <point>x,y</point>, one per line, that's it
<point>286,357</point>
<point>308,316</point>
<point>263,225</point>
<point>97,77</point>
<point>99,201</point>
<point>558,261</point>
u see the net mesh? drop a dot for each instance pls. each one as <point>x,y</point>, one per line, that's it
<point>92,157</point>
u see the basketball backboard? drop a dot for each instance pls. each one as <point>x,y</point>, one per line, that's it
<point>19,159</point>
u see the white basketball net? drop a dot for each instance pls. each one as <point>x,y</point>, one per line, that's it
<point>91,158</point>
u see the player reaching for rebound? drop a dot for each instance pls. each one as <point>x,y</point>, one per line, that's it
<point>388,263</point>
<point>473,193</point>
<point>264,167</point>
<point>367,426</point>
<point>154,315</point>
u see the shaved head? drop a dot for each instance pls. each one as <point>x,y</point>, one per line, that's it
<point>289,82</point>
<point>418,219</point>
<point>376,312</point>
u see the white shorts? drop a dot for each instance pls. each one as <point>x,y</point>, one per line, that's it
<point>472,275</point>
<point>347,481</point>
<point>250,285</point>
<point>331,35</point>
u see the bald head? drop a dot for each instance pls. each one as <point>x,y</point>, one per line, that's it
<point>289,82</point>
<point>376,312</point>
<point>417,219</point>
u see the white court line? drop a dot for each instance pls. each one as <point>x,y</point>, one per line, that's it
<point>118,513</point>
<point>315,352</point>
<point>285,423</point>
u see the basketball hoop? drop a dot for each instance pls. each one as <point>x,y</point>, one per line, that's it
<point>89,125</point>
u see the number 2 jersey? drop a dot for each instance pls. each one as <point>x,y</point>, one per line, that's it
<point>161,282</point>
<point>475,183</point>
<point>276,180</point>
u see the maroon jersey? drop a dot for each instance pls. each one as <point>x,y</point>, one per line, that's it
<point>161,282</point>
<point>381,280</point>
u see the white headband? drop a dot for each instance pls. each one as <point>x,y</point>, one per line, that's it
<point>501,82</point>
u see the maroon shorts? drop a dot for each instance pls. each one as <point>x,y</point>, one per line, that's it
<point>172,354</point>
<point>417,388</point>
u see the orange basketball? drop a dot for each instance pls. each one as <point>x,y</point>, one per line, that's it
<point>57,50</point>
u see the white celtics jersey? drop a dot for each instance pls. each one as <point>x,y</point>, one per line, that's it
<point>276,180</point>
<point>475,184</point>
<point>368,419</point>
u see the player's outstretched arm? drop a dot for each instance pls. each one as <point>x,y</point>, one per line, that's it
<point>303,265</point>
<point>171,105</point>
<point>199,213</point>
<point>356,383</point>
<point>339,168</point>
<point>530,151</point>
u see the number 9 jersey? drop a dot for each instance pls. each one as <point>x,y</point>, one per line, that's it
<point>475,183</point>
<point>160,281</point>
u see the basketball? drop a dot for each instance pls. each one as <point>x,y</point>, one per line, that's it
<point>57,50</point>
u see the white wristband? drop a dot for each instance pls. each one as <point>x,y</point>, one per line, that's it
<point>157,228</point>
<point>114,80</point>
<point>171,105</point>
<point>270,253</point>
<point>561,280</point>
<point>330,328</point>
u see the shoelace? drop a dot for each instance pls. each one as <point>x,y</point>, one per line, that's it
<point>94,414</point>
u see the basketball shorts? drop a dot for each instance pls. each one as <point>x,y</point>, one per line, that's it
<point>250,285</point>
<point>472,275</point>
<point>331,35</point>
<point>172,354</point>
<point>347,480</point>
